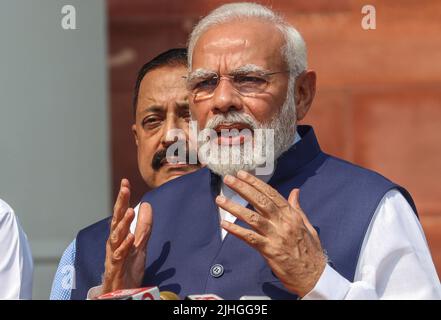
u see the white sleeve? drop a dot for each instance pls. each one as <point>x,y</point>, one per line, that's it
<point>16,265</point>
<point>394,262</point>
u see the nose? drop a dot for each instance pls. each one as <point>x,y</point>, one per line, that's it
<point>225,98</point>
<point>172,132</point>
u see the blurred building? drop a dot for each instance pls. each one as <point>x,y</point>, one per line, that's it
<point>54,124</point>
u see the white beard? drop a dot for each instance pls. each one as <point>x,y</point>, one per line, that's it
<point>231,159</point>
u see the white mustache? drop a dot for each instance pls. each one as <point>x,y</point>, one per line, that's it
<point>232,117</point>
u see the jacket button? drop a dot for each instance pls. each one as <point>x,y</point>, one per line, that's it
<point>217,270</point>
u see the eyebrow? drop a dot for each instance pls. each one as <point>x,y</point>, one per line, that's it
<point>182,104</point>
<point>153,108</point>
<point>249,68</point>
<point>204,73</point>
<point>158,108</point>
<point>200,73</point>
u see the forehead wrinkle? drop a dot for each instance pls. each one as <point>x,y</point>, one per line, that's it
<point>174,94</point>
<point>250,67</point>
<point>182,104</point>
<point>226,43</point>
<point>224,52</point>
<point>151,108</point>
<point>258,39</point>
<point>229,60</point>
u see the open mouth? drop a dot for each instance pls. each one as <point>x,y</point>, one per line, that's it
<point>233,133</point>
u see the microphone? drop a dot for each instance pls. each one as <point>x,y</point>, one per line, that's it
<point>168,295</point>
<point>147,293</point>
<point>209,296</point>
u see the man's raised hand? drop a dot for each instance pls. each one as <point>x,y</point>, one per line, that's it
<point>125,251</point>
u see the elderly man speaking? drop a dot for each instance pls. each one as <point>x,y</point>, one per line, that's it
<point>316,228</point>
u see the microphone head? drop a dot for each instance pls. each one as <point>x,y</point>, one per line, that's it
<point>147,293</point>
<point>206,296</point>
<point>254,298</point>
<point>168,295</point>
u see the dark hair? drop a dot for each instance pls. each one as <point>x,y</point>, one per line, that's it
<point>172,57</point>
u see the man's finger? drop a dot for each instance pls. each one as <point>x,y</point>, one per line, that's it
<point>254,239</point>
<point>258,200</point>
<point>258,222</point>
<point>121,204</point>
<point>120,254</point>
<point>293,200</point>
<point>122,229</point>
<point>262,187</point>
<point>143,225</point>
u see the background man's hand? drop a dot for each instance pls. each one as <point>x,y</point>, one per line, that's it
<point>281,232</point>
<point>126,252</point>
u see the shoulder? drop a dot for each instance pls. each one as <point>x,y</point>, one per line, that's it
<point>7,216</point>
<point>395,209</point>
<point>5,209</point>
<point>13,239</point>
<point>349,176</point>
<point>96,229</point>
<point>354,173</point>
<point>90,244</point>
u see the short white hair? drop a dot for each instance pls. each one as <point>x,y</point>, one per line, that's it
<point>294,50</point>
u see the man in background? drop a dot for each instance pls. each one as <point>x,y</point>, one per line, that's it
<point>160,105</point>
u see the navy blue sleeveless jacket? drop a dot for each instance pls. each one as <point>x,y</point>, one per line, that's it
<point>186,254</point>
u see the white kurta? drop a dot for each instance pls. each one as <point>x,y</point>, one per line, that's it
<point>16,266</point>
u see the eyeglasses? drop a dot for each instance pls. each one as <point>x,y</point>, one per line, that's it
<point>246,84</point>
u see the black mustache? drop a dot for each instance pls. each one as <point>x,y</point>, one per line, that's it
<point>158,157</point>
